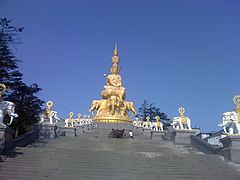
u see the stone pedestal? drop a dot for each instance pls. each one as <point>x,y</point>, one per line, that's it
<point>147,132</point>
<point>86,128</point>
<point>48,131</point>
<point>68,131</point>
<point>107,128</point>
<point>183,136</point>
<point>157,135</point>
<point>6,138</point>
<point>139,129</point>
<point>2,140</point>
<point>231,148</point>
<point>80,130</point>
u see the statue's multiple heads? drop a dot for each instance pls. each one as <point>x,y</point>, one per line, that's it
<point>115,69</point>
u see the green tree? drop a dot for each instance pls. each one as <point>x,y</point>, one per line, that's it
<point>28,105</point>
<point>150,110</point>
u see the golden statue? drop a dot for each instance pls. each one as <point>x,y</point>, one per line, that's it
<point>113,108</point>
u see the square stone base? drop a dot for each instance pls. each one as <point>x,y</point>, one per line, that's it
<point>231,148</point>
<point>6,138</point>
<point>139,130</point>
<point>147,132</point>
<point>68,131</point>
<point>157,135</point>
<point>47,131</point>
<point>80,130</point>
<point>183,136</point>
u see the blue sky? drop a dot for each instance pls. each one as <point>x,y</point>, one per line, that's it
<point>173,53</point>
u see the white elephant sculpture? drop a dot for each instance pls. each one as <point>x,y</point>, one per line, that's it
<point>7,108</point>
<point>230,123</point>
<point>157,127</point>
<point>53,118</point>
<point>147,124</point>
<point>69,122</point>
<point>177,124</point>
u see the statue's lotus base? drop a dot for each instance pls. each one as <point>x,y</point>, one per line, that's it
<point>112,119</point>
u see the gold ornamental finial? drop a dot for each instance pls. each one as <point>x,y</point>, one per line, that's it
<point>181,111</point>
<point>157,118</point>
<point>71,115</point>
<point>148,118</point>
<point>49,104</point>
<point>115,53</point>
<point>115,58</point>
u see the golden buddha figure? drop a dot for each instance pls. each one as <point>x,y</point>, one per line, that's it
<point>113,85</point>
<point>113,108</point>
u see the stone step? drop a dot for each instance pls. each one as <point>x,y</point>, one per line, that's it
<point>93,156</point>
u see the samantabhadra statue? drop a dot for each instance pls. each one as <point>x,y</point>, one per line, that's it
<point>113,108</point>
<point>7,108</point>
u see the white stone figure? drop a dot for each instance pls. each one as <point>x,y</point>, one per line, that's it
<point>49,116</point>
<point>231,120</point>
<point>181,122</point>
<point>69,122</point>
<point>6,107</point>
<point>177,124</point>
<point>230,123</point>
<point>89,120</point>
<point>147,124</point>
<point>79,121</point>
<point>157,126</point>
<point>53,118</point>
<point>136,122</point>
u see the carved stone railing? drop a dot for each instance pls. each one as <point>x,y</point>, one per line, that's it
<point>204,146</point>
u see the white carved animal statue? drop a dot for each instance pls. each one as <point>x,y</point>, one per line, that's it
<point>53,118</point>
<point>7,108</point>
<point>157,127</point>
<point>69,122</point>
<point>147,124</point>
<point>230,123</point>
<point>177,124</point>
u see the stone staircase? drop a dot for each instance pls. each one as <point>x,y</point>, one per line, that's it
<point>94,156</point>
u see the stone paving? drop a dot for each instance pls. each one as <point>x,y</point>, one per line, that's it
<point>94,156</point>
